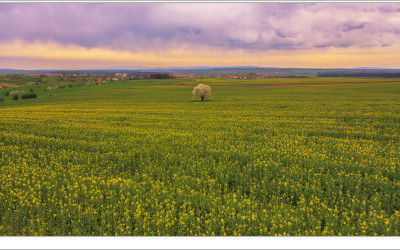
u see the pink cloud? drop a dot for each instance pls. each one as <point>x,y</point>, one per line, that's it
<point>161,26</point>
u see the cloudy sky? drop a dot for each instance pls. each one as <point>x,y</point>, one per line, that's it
<point>96,35</point>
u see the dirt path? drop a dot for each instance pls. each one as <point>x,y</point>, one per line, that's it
<point>285,84</point>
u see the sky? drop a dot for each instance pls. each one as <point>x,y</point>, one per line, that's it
<point>101,35</point>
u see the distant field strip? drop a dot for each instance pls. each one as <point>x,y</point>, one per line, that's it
<point>281,82</point>
<point>285,84</point>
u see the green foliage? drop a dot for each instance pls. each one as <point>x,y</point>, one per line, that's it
<point>29,96</point>
<point>161,76</point>
<point>74,85</point>
<point>15,97</point>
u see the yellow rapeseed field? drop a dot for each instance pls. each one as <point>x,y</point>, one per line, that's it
<point>307,160</point>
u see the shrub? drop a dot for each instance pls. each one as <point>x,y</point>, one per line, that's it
<point>29,96</point>
<point>70,85</point>
<point>14,93</point>
<point>1,99</point>
<point>15,97</point>
<point>31,90</point>
<point>7,93</point>
<point>202,91</point>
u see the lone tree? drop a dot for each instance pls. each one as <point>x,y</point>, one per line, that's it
<point>202,91</point>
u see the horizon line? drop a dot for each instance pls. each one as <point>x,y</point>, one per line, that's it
<point>195,67</point>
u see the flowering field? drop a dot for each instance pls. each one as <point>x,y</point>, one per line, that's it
<point>148,160</point>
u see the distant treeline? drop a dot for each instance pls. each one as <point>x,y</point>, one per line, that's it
<point>161,76</point>
<point>359,74</point>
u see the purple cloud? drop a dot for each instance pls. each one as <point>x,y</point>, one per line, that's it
<point>161,26</point>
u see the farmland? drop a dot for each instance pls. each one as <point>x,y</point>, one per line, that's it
<point>144,158</point>
<point>283,81</point>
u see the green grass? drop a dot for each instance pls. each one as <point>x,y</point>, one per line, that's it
<point>139,158</point>
<point>44,96</point>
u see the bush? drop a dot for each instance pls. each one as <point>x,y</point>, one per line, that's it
<point>29,96</point>
<point>15,97</point>
<point>1,100</point>
<point>15,92</point>
<point>70,85</point>
<point>7,93</point>
<point>57,87</point>
<point>31,90</point>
